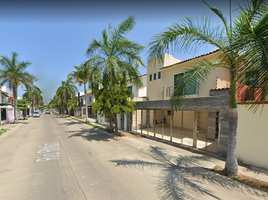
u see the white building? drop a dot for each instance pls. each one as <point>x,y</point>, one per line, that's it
<point>7,111</point>
<point>82,104</point>
<point>140,94</point>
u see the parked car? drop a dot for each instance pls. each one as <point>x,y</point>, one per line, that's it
<point>36,114</point>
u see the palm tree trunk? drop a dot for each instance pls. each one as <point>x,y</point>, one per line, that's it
<point>85,88</point>
<point>15,104</point>
<point>231,166</point>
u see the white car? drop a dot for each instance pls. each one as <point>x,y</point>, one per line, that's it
<point>36,114</point>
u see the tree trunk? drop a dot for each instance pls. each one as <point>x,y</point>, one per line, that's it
<point>111,128</point>
<point>116,125</point>
<point>15,103</point>
<point>85,88</point>
<point>231,166</point>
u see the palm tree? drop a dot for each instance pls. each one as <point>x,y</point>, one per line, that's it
<point>114,54</point>
<point>82,76</point>
<point>33,94</point>
<point>73,104</point>
<point>191,34</point>
<point>14,74</point>
<point>65,92</point>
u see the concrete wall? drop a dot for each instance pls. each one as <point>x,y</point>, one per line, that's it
<point>140,92</point>
<point>252,137</point>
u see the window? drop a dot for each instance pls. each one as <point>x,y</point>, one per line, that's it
<point>159,75</point>
<point>169,112</point>
<point>130,88</point>
<point>154,76</point>
<point>89,98</point>
<point>252,78</point>
<point>191,85</point>
<point>150,77</point>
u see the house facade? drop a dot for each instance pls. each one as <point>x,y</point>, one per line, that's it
<point>81,112</point>
<point>7,110</point>
<point>202,122</point>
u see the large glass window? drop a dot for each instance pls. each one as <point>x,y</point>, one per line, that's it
<point>191,86</point>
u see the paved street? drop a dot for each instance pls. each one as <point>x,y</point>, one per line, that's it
<point>52,157</point>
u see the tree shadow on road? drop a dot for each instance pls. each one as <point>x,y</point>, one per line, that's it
<point>92,134</point>
<point>70,123</point>
<point>182,178</point>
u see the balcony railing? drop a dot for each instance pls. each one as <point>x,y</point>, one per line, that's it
<point>5,102</point>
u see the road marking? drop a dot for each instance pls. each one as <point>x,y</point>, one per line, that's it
<point>49,151</point>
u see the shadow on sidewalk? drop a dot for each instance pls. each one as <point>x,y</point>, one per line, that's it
<point>181,177</point>
<point>92,134</point>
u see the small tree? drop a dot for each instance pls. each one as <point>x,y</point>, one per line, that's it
<point>113,100</point>
<point>23,104</point>
<point>73,104</point>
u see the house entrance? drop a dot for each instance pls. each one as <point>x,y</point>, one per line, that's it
<point>194,128</point>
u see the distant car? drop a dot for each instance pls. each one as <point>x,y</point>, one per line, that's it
<point>47,112</point>
<point>36,114</point>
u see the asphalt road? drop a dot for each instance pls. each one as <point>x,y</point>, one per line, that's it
<point>52,157</point>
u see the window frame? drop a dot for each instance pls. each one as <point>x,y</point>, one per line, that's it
<point>196,85</point>
<point>159,75</point>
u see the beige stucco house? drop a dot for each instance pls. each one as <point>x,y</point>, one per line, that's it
<point>203,122</point>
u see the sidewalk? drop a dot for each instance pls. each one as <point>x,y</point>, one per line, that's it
<point>214,160</point>
<point>12,126</point>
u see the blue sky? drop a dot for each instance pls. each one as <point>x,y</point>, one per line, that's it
<point>54,35</point>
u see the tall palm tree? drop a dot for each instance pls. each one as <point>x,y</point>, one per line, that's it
<point>33,94</point>
<point>14,74</point>
<point>66,91</point>
<point>82,76</point>
<point>190,34</point>
<point>114,54</point>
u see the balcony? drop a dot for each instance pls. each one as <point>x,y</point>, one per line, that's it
<point>5,102</point>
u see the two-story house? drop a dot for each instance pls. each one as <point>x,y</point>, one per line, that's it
<point>202,122</point>
<point>81,112</point>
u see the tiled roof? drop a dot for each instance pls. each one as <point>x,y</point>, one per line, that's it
<point>225,88</point>
<point>189,59</point>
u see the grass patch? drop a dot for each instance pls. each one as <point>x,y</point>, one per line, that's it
<point>3,130</point>
<point>88,123</point>
<point>251,182</point>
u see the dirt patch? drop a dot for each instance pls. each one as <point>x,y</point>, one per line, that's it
<point>251,182</point>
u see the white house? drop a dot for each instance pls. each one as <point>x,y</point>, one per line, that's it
<point>7,111</point>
